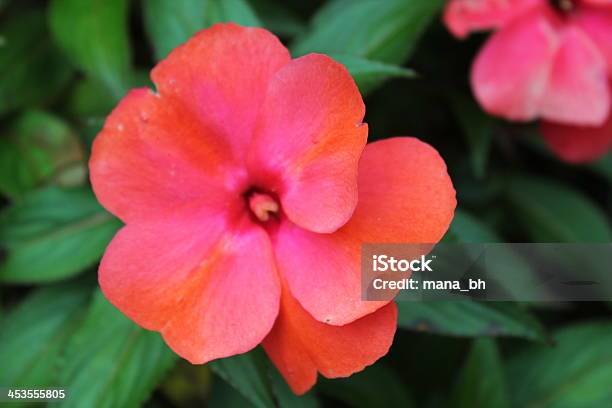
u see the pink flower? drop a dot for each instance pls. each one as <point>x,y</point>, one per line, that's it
<point>578,144</point>
<point>548,59</point>
<point>247,189</point>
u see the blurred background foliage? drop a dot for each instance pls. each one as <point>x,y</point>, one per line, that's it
<point>66,63</point>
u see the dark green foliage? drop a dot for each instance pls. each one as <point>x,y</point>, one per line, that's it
<point>53,234</point>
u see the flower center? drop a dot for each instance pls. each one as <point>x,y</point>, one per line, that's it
<point>563,6</point>
<point>262,205</point>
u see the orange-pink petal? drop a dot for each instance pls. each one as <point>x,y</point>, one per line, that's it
<point>299,346</point>
<point>308,142</point>
<point>211,289</point>
<point>405,195</point>
<point>153,157</point>
<point>221,75</point>
<point>323,272</point>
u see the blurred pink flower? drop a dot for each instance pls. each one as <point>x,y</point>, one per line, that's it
<point>549,59</point>
<point>577,144</point>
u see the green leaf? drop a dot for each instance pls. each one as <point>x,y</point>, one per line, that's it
<point>385,31</point>
<point>90,102</point>
<point>224,395</point>
<point>466,228</point>
<point>369,74</point>
<point>278,17</point>
<point>512,272</point>
<point>4,4</point>
<point>552,212</point>
<point>90,98</point>
<point>482,381</point>
<point>34,333</point>
<point>33,69</point>
<point>39,148</point>
<point>468,318</point>
<point>187,383</point>
<point>477,127</point>
<point>575,373</point>
<point>53,234</point>
<point>90,129</point>
<point>603,167</point>
<point>247,373</point>
<point>236,11</point>
<point>170,23</point>
<point>376,386</point>
<point>111,362</point>
<point>258,383</point>
<point>94,34</point>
